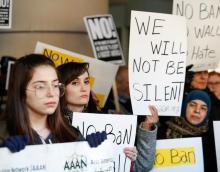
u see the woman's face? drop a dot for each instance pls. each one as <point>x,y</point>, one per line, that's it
<point>42,92</point>
<point>77,92</point>
<point>196,111</point>
<point>214,84</point>
<point>200,80</point>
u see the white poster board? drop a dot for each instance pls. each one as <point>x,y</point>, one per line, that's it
<point>157,57</point>
<point>216,125</point>
<point>5,14</point>
<point>102,74</point>
<point>203,18</point>
<point>65,157</point>
<point>120,129</point>
<point>179,155</point>
<point>104,38</point>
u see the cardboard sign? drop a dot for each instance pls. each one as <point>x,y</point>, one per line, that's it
<point>216,125</point>
<point>102,74</point>
<point>157,57</point>
<point>104,38</point>
<point>65,157</point>
<point>5,14</point>
<point>179,155</point>
<point>203,18</point>
<point>120,129</point>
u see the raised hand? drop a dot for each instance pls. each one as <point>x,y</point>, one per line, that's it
<point>152,119</point>
<point>16,143</point>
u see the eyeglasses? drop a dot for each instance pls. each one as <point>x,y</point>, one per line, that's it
<point>42,89</point>
<point>213,83</point>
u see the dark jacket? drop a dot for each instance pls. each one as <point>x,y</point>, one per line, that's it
<point>51,139</point>
<point>37,138</point>
<point>215,109</point>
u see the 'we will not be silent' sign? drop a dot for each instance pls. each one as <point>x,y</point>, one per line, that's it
<point>157,58</point>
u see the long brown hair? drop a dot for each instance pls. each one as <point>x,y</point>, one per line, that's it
<point>69,72</point>
<point>18,121</point>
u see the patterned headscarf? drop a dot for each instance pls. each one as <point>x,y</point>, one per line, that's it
<point>197,95</point>
<point>179,127</point>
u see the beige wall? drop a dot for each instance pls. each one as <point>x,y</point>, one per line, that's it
<point>56,22</point>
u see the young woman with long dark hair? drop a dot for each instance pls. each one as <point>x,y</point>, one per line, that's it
<point>33,114</point>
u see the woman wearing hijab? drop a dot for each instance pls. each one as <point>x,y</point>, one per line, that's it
<point>194,122</point>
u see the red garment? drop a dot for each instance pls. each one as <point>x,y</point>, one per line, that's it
<point>131,168</point>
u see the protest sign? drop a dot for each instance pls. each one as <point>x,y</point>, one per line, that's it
<point>157,57</point>
<point>203,30</point>
<point>65,157</point>
<point>5,14</point>
<point>180,155</point>
<point>102,74</point>
<point>216,125</point>
<point>120,129</point>
<point>104,38</point>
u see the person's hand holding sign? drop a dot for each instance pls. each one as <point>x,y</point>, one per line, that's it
<point>95,139</point>
<point>131,153</point>
<point>152,119</point>
<point>16,143</point>
<point>147,124</point>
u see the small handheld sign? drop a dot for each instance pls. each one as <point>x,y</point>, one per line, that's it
<point>104,38</point>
